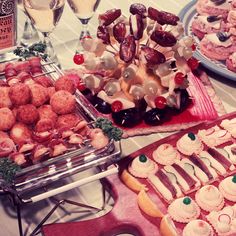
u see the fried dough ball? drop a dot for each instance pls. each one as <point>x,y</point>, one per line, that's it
<point>3,135</point>
<point>62,102</point>
<point>44,125</point>
<point>27,114</point>
<point>65,83</point>
<point>5,100</point>
<point>39,94</point>
<point>19,94</point>
<point>46,112</point>
<point>67,121</point>
<point>7,119</point>
<point>51,91</point>
<point>20,133</point>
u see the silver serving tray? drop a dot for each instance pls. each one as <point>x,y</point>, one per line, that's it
<point>41,174</point>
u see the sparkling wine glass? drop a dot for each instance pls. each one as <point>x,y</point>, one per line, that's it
<point>84,10</point>
<point>30,34</point>
<point>44,15</point>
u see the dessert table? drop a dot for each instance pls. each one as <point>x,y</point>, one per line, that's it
<point>64,39</point>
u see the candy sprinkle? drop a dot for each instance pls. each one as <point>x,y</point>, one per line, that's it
<point>187,201</point>
<point>142,158</point>
<point>234,179</point>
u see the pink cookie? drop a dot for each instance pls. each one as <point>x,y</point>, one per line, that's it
<point>218,46</point>
<point>208,24</point>
<point>213,7</point>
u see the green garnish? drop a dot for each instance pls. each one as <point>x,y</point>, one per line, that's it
<point>187,201</point>
<point>108,129</point>
<point>234,179</point>
<point>37,49</point>
<point>192,136</point>
<point>142,158</point>
<point>8,169</point>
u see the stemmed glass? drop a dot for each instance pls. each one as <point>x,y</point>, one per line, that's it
<point>30,34</point>
<point>44,15</point>
<point>84,10</point>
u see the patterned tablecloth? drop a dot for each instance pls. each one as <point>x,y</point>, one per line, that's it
<point>65,38</point>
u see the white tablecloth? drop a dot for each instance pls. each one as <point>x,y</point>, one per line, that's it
<point>65,38</point>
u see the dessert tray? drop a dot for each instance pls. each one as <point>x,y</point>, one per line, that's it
<point>167,198</point>
<point>187,15</point>
<point>45,151</point>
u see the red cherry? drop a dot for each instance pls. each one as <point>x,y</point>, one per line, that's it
<point>160,102</point>
<point>116,106</point>
<point>193,47</point>
<point>193,63</point>
<point>78,59</point>
<point>179,78</point>
<point>81,86</point>
<point>87,37</point>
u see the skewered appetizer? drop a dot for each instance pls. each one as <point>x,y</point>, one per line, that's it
<point>137,68</point>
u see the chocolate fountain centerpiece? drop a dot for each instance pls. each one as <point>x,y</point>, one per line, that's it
<point>137,68</point>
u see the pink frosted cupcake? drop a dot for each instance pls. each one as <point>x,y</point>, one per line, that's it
<point>209,198</point>
<point>228,188</point>
<point>165,154</point>
<point>224,221</point>
<point>142,166</point>
<point>198,228</point>
<point>213,7</point>
<point>208,24</point>
<point>184,210</point>
<point>189,144</point>
<point>218,46</point>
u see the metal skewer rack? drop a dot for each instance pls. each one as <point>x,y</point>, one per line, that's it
<point>30,184</point>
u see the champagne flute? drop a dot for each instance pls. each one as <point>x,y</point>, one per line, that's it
<point>84,10</point>
<point>30,34</point>
<point>44,15</point>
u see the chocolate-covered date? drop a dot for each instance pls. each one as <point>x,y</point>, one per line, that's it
<point>162,17</point>
<point>136,26</point>
<point>109,16</point>
<point>163,38</point>
<point>138,8</point>
<point>128,49</point>
<point>103,34</point>
<point>152,56</point>
<point>119,31</point>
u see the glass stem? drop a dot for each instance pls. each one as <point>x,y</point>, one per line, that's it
<point>49,48</point>
<point>85,31</point>
<point>30,34</point>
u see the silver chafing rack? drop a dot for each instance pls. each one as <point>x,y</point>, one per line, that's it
<point>39,175</point>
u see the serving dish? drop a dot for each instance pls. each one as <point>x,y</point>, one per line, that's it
<point>145,81</point>
<point>128,215</point>
<point>187,15</point>
<point>49,170</point>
